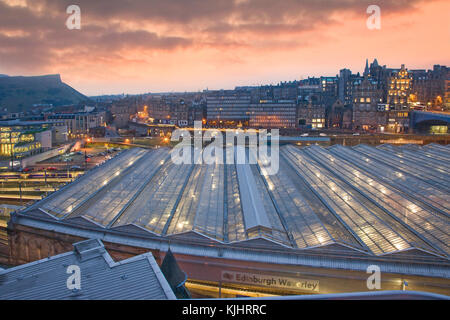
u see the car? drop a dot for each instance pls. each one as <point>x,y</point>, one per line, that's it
<point>28,169</point>
<point>356,134</point>
<point>75,168</point>
<point>52,169</point>
<point>305,135</point>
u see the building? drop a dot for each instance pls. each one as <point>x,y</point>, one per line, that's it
<point>311,110</point>
<point>398,100</point>
<point>239,108</point>
<point>336,116</point>
<point>429,87</point>
<point>318,223</point>
<point>329,86</point>
<point>20,139</point>
<point>273,114</point>
<point>447,95</point>
<point>347,83</point>
<point>79,124</point>
<point>345,86</point>
<point>285,91</point>
<point>153,130</point>
<point>101,278</point>
<point>400,85</point>
<point>123,110</point>
<point>311,115</point>
<point>197,111</point>
<point>369,114</point>
<point>228,108</point>
<point>316,97</point>
<point>60,133</point>
<point>175,109</point>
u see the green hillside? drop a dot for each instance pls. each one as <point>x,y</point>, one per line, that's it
<point>20,93</point>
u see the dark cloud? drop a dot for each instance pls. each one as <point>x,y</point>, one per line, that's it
<point>192,11</point>
<point>31,39</point>
<point>34,36</point>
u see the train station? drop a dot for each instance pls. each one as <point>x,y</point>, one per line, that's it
<point>322,220</point>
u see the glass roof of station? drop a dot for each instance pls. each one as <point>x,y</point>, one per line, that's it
<point>155,205</point>
<point>442,167</point>
<point>430,226</point>
<point>108,202</point>
<point>374,200</point>
<point>437,147</point>
<point>374,233</point>
<point>204,193</point>
<point>396,178</point>
<point>63,203</point>
<point>406,166</point>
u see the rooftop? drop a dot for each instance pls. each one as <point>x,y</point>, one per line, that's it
<point>101,278</point>
<point>388,203</point>
<point>17,122</point>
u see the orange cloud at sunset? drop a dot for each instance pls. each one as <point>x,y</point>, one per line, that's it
<point>140,46</point>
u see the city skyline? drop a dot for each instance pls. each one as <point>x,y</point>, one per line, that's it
<point>191,46</point>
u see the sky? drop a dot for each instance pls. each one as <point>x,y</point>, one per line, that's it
<point>138,46</point>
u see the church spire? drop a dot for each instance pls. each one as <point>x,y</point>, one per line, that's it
<point>366,69</point>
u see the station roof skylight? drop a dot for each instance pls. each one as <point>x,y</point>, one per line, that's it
<point>375,201</point>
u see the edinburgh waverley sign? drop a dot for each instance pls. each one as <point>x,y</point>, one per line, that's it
<point>271,281</point>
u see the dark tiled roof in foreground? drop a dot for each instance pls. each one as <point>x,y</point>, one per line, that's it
<point>379,202</point>
<point>101,278</point>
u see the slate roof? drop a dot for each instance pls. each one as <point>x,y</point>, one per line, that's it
<point>101,278</point>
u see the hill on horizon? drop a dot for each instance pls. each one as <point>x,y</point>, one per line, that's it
<point>20,93</point>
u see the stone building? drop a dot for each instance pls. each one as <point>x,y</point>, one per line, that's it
<point>398,100</point>
<point>429,87</point>
<point>367,116</point>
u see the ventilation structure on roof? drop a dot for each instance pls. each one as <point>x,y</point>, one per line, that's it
<point>89,249</point>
